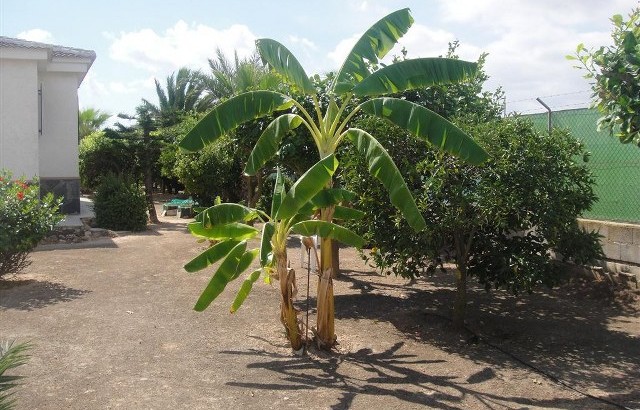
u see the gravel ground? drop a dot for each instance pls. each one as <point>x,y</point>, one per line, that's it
<point>113,327</point>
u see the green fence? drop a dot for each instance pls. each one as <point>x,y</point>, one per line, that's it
<point>616,166</point>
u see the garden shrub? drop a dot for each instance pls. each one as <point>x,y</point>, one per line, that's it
<point>120,205</point>
<point>500,222</point>
<point>214,171</point>
<point>100,155</point>
<point>25,219</point>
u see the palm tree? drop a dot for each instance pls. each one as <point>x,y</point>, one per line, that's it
<point>229,78</point>
<point>183,93</point>
<point>358,80</point>
<point>90,120</point>
<point>11,356</point>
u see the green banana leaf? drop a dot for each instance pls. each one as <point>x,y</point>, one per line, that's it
<point>278,193</point>
<point>233,230</point>
<point>328,230</point>
<point>307,186</point>
<point>265,244</point>
<point>383,168</point>
<point>269,142</point>
<point>413,74</point>
<point>221,277</point>
<point>226,213</point>
<point>280,59</point>
<point>331,196</point>
<point>227,116</point>
<point>374,44</point>
<point>244,290</point>
<point>427,125</point>
<point>210,256</point>
<point>330,115</point>
<point>344,213</point>
<point>245,262</point>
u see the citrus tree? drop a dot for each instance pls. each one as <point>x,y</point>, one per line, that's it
<point>291,211</point>
<point>614,72</point>
<point>357,88</point>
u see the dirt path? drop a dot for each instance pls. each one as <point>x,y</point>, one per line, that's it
<point>113,327</point>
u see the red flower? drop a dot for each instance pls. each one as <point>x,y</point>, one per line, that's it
<point>20,195</point>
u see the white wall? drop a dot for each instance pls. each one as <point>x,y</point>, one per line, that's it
<point>59,139</point>
<point>19,117</point>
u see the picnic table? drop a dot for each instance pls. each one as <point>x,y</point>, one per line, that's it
<point>182,208</point>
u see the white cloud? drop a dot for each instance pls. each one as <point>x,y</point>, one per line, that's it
<point>179,46</point>
<point>527,42</point>
<point>341,51</point>
<point>38,35</point>
<point>303,41</point>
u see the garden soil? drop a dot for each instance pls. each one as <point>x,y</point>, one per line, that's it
<point>113,327</point>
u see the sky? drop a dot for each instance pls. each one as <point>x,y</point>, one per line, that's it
<point>137,41</point>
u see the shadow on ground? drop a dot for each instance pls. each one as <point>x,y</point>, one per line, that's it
<point>568,333</point>
<point>388,373</point>
<point>31,294</point>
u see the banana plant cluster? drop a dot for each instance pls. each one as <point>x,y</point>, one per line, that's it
<point>359,87</point>
<point>292,211</point>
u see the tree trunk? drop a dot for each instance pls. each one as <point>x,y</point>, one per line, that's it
<point>254,191</point>
<point>460,304</point>
<point>463,248</point>
<point>288,313</point>
<point>335,258</point>
<point>148,178</point>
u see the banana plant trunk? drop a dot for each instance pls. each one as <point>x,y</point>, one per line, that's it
<point>288,313</point>
<point>325,329</point>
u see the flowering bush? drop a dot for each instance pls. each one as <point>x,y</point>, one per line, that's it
<point>25,219</point>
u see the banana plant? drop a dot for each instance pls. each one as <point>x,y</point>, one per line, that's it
<point>291,212</point>
<point>358,87</point>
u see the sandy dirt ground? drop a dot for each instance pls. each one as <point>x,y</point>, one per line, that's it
<point>113,328</point>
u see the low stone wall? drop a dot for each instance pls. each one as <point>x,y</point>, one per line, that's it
<point>77,234</point>
<point>621,246</point>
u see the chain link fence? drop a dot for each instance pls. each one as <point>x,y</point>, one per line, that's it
<point>616,166</point>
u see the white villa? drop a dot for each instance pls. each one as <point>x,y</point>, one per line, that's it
<point>39,114</point>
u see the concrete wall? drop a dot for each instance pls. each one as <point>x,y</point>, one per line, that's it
<point>59,139</point>
<point>19,117</point>
<point>620,243</point>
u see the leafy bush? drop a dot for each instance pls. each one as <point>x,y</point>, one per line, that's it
<point>120,205</point>
<point>214,171</point>
<point>11,356</point>
<point>100,155</point>
<point>499,222</point>
<point>614,71</point>
<point>25,220</point>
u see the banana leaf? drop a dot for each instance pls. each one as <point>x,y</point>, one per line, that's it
<point>328,230</point>
<point>427,125</point>
<point>383,168</point>
<point>221,277</point>
<point>244,290</point>
<point>227,116</point>
<point>307,186</point>
<point>234,230</point>
<point>226,213</point>
<point>414,74</point>
<point>210,256</point>
<point>374,44</point>
<point>269,142</point>
<point>285,63</point>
